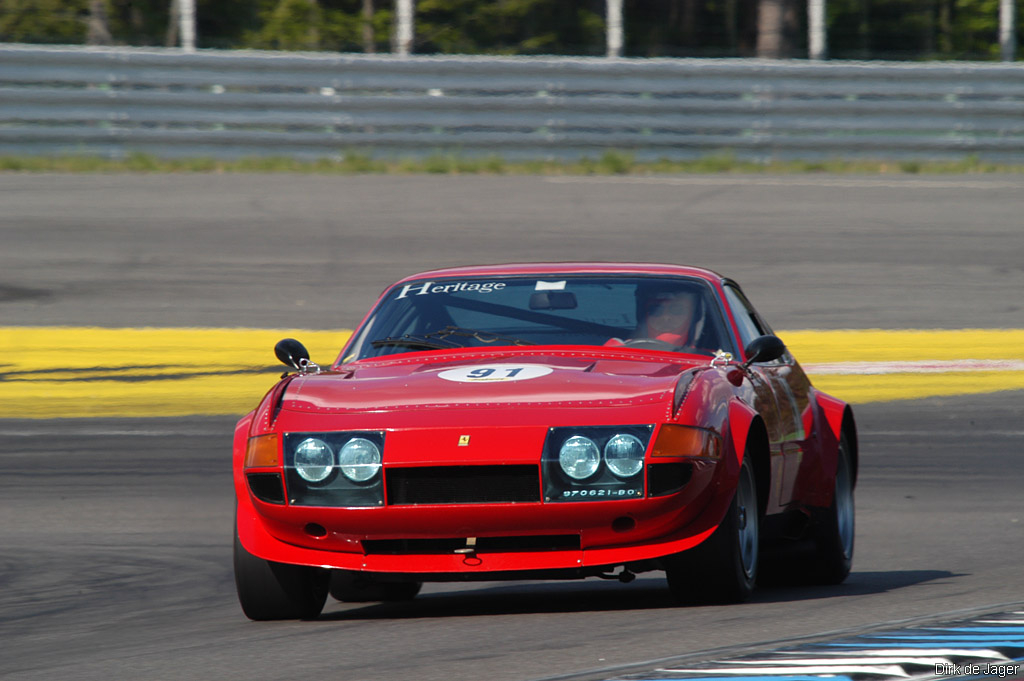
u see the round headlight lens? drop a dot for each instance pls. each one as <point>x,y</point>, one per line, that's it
<point>359,459</point>
<point>314,460</point>
<point>579,457</point>
<point>624,455</point>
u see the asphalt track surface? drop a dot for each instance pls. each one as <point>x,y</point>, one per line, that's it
<point>117,565</point>
<point>314,252</point>
<point>115,533</point>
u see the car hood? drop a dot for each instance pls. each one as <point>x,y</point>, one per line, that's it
<point>493,380</point>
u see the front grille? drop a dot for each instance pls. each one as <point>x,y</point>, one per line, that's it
<point>462,485</point>
<point>400,547</point>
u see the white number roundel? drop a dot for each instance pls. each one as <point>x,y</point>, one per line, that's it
<point>491,373</point>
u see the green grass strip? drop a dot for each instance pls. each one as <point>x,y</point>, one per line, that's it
<point>610,163</point>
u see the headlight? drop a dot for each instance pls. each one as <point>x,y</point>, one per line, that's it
<point>595,463</point>
<point>624,455</point>
<point>359,459</point>
<point>334,469</point>
<point>314,460</point>
<point>579,457</point>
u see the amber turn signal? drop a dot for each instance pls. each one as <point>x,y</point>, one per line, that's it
<point>686,441</point>
<point>263,452</point>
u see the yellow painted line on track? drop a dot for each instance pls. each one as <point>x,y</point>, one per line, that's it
<point>911,347</point>
<point>878,345</point>
<point>48,372</point>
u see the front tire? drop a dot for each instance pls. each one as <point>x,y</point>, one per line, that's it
<point>277,591</point>
<point>723,569</point>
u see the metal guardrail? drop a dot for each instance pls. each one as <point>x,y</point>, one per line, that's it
<point>115,101</point>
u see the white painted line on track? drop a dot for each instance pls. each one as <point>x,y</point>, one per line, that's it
<point>910,653</point>
<point>880,670</point>
<point>834,661</point>
<point>915,367</point>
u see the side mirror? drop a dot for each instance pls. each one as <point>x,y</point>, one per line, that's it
<point>764,349</point>
<point>291,352</point>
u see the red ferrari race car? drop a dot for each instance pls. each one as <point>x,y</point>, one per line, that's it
<point>541,421</point>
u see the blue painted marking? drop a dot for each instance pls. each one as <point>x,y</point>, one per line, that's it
<point>732,677</point>
<point>987,642</point>
<point>986,630</point>
<point>942,638</point>
<point>925,645</point>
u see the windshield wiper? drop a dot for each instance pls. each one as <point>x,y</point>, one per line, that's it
<point>482,336</point>
<point>442,339</point>
<point>413,342</point>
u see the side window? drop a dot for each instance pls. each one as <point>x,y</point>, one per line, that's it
<point>749,323</point>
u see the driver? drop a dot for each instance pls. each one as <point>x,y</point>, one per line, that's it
<point>668,316</point>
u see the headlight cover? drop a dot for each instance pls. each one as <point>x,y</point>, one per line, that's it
<point>624,455</point>
<point>334,469</point>
<point>595,463</point>
<point>314,460</point>
<point>359,459</point>
<point>579,457</point>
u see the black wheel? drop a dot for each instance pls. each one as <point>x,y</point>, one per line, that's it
<point>354,587</point>
<point>276,591</point>
<point>834,531</point>
<point>723,569</point>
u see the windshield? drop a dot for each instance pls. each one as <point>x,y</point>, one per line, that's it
<point>678,314</point>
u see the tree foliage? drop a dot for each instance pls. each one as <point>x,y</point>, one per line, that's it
<point>334,25</point>
<point>915,29</point>
<point>42,21</point>
<point>510,27</point>
<point>861,29</point>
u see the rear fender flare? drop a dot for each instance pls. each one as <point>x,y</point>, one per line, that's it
<point>838,417</point>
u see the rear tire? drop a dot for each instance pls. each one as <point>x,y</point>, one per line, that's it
<point>354,587</point>
<point>834,532</point>
<point>723,569</point>
<point>277,591</point>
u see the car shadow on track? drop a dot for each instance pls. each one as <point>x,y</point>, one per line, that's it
<point>647,593</point>
<point>778,588</point>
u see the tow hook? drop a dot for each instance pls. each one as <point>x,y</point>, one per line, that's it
<point>625,576</point>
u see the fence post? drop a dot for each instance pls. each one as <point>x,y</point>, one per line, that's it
<point>818,38</point>
<point>404,27</point>
<point>187,25</point>
<point>613,27</point>
<point>1008,30</point>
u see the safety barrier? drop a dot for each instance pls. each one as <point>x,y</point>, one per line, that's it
<point>116,101</point>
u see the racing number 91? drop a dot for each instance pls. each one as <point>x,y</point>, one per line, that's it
<point>510,372</point>
<point>495,372</point>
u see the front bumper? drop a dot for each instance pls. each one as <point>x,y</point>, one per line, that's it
<point>484,538</point>
<point>463,540</point>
